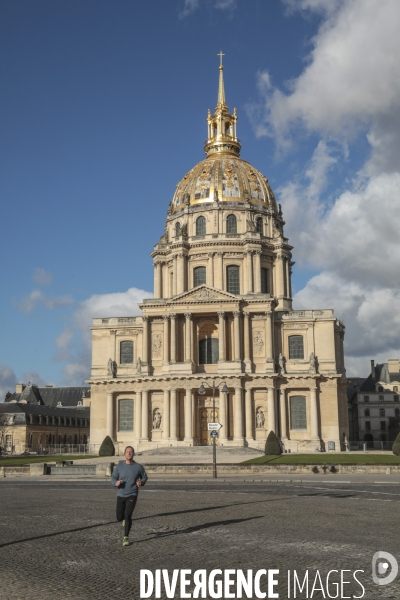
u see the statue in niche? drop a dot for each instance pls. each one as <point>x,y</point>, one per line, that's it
<point>313,362</point>
<point>260,419</point>
<point>258,343</point>
<point>157,345</point>
<point>114,369</point>
<point>110,367</point>
<point>157,418</point>
<point>282,361</point>
<point>138,365</point>
<point>215,195</point>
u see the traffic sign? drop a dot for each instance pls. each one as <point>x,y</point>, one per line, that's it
<point>214,434</point>
<point>213,426</point>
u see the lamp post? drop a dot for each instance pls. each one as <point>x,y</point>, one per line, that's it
<point>202,391</point>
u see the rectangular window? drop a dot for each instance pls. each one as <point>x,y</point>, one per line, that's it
<point>298,414</point>
<point>381,398</point>
<point>126,352</point>
<point>296,346</point>
<point>383,425</point>
<point>396,398</point>
<point>368,425</point>
<point>264,281</point>
<point>232,279</point>
<point>125,415</point>
<point>366,398</point>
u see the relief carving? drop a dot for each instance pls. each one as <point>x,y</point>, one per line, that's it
<point>157,345</point>
<point>258,343</point>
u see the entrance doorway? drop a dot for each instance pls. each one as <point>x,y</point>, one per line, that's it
<point>207,416</point>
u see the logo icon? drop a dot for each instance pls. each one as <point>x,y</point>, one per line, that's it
<point>384,568</point>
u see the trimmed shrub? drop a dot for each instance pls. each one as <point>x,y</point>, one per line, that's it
<point>272,445</point>
<point>107,447</point>
<point>396,446</point>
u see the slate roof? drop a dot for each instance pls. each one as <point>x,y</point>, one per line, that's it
<point>16,408</point>
<point>50,396</point>
<point>353,382</point>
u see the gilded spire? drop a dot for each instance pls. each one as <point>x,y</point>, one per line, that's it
<point>221,87</point>
<point>222,125</point>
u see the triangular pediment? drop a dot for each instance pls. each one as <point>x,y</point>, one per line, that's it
<point>204,293</point>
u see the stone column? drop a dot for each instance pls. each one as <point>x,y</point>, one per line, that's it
<point>138,415</point>
<point>166,340</point>
<point>290,279</point>
<point>180,285</point>
<point>282,403</point>
<point>314,413</point>
<point>269,338</point>
<point>173,338</point>
<point>188,416</point>
<point>257,272</point>
<point>157,279</point>
<point>188,340</point>
<point>280,275</point>
<point>173,411</point>
<point>221,335</point>
<point>249,272</point>
<point>210,270</point>
<point>145,416</point>
<point>110,415</point>
<point>238,416</point>
<point>113,349</point>
<point>237,335</point>
<point>246,326</point>
<point>249,416</point>
<point>271,410</point>
<point>145,341</point>
<point>165,420</point>
<point>223,433</point>
<point>174,274</point>
<point>220,276</point>
<point>165,293</point>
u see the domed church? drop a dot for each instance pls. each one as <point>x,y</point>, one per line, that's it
<point>221,316</point>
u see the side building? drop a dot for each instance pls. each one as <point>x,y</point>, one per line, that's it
<point>221,314</point>
<point>374,405</point>
<point>38,419</point>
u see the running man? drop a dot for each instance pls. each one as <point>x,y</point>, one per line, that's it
<point>128,476</point>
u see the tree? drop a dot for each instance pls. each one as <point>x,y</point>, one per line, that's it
<point>5,428</point>
<point>272,445</point>
<point>107,447</point>
<point>396,446</point>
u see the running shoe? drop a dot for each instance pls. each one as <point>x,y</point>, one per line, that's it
<point>125,541</point>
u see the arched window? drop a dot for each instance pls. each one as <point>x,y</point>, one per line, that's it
<point>177,229</point>
<point>381,412</point>
<point>232,279</point>
<point>366,412</point>
<point>264,281</point>
<point>259,225</point>
<point>298,413</point>
<point>208,351</point>
<point>125,420</point>
<point>296,346</point>
<point>126,353</point>
<point>231,224</point>
<point>199,276</point>
<point>201,226</point>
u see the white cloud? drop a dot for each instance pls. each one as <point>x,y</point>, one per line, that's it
<point>37,298</point>
<point>8,380</point>
<point>74,343</point>
<point>42,276</point>
<point>349,87</point>
<point>191,6</point>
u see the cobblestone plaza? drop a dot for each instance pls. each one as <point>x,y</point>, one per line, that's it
<point>60,539</point>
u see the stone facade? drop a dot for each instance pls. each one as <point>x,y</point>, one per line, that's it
<point>221,313</point>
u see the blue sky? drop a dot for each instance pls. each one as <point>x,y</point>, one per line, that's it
<point>103,111</point>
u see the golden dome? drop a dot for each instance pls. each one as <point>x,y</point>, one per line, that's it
<point>224,178</point>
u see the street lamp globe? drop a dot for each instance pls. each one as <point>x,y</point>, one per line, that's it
<point>202,390</point>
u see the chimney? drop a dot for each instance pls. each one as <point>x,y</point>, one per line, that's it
<point>19,388</point>
<point>373,369</point>
<point>393,365</point>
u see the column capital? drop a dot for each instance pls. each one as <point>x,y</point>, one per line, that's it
<point>172,316</point>
<point>166,317</point>
<point>220,253</point>
<point>145,319</point>
<point>258,252</point>
<point>188,316</point>
<point>268,313</point>
<point>210,254</point>
<point>246,315</point>
<point>221,315</point>
<point>237,313</point>
<point>113,331</point>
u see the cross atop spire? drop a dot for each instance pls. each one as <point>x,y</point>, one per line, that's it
<point>221,87</point>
